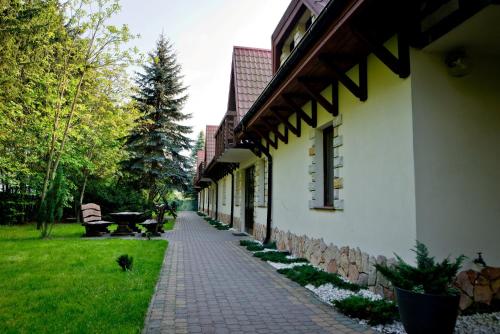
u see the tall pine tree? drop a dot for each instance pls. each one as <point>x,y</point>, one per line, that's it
<point>158,142</point>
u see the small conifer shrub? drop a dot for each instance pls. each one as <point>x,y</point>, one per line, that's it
<point>125,262</point>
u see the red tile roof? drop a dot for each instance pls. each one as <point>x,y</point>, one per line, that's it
<point>252,70</point>
<point>210,143</point>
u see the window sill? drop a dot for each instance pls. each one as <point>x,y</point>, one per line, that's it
<point>324,208</point>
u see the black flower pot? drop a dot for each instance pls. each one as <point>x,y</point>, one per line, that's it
<point>425,314</point>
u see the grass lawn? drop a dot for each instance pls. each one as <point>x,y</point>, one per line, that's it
<point>71,285</point>
<point>169,223</point>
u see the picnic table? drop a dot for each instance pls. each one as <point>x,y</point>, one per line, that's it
<point>126,222</point>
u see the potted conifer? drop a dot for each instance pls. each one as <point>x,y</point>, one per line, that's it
<point>427,300</point>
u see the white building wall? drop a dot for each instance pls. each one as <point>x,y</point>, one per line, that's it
<point>457,156</point>
<point>378,171</point>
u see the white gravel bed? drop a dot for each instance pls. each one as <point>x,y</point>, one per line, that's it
<point>328,293</point>
<point>486,323</point>
<point>278,265</point>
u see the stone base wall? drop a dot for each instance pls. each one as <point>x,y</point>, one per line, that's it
<point>236,224</point>
<point>224,218</point>
<point>259,231</point>
<point>350,262</point>
<point>478,287</point>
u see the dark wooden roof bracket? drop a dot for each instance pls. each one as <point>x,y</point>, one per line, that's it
<point>358,90</point>
<point>288,126</point>
<point>399,65</point>
<point>332,108</point>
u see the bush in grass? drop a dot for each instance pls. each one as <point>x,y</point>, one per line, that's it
<point>125,262</point>
<point>247,242</point>
<point>280,257</point>
<point>307,274</point>
<point>255,248</point>
<point>222,227</point>
<point>199,213</point>
<point>270,245</point>
<point>376,312</point>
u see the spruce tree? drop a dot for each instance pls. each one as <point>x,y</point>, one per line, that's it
<point>157,144</point>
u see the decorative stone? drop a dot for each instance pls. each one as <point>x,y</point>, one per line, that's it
<point>483,294</point>
<point>338,204</point>
<point>336,152</point>
<point>491,273</point>
<point>322,246</point>
<point>352,255</point>
<point>389,293</point>
<point>464,283</point>
<point>362,279</point>
<point>357,256</point>
<point>338,183</point>
<point>336,194</point>
<point>312,186</point>
<point>344,262</point>
<point>465,301</point>
<point>337,121</point>
<point>312,169</point>
<point>337,141</point>
<point>495,286</point>
<point>364,262</point>
<point>353,274</point>
<point>338,161</point>
<point>331,266</point>
<point>312,151</point>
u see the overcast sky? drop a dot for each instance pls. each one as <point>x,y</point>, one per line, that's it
<point>203,33</point>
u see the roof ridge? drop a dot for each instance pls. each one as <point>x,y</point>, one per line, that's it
<point>250,48</point>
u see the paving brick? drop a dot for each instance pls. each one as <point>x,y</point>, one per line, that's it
<point>209,284</point>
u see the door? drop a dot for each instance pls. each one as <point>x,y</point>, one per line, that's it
<point>249,198</point>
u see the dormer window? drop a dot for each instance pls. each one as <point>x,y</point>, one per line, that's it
<point>293,26</point>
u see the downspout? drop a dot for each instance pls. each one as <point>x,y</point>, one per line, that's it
<point>208,201</point>
<point>232,199</point>
<point>216,200</point>
<point>269,195</point>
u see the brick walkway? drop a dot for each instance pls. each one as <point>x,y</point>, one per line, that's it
<point>209,284</point>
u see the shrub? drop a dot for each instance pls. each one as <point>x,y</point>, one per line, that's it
<point>199,213</point>
<point>307,274</point>
<point>280,257</point>
<point>255,247</point>
<point>376,312</point>
<point>248,242</point>
<point>270,245</point>
<point>427,277</point>
<point>222,227</point>
<point>125,262</point>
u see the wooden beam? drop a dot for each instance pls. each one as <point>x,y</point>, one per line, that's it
<point>330,107</point>
<point>277,133</point>
<point>363,79</point>
<point>399,66</point>
<point>286,122</point>
<point>355,89</point>
<point>335,98</point>
<point>267,139</point>
<point>404,55</point>
<point>298,109</point>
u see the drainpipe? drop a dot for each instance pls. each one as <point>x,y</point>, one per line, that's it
<point>232,199</point>
<point>216,200</point>
<point>269,195</point>
<point>208,201</point>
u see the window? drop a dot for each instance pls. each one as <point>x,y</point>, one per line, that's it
<point>328,166</point>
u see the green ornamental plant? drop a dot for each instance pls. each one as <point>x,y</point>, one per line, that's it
<point>125,262</point>
<point>428,276</point>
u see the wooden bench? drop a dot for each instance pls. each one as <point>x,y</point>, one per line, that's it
<point>155,226</point>
<point>91,219</point>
